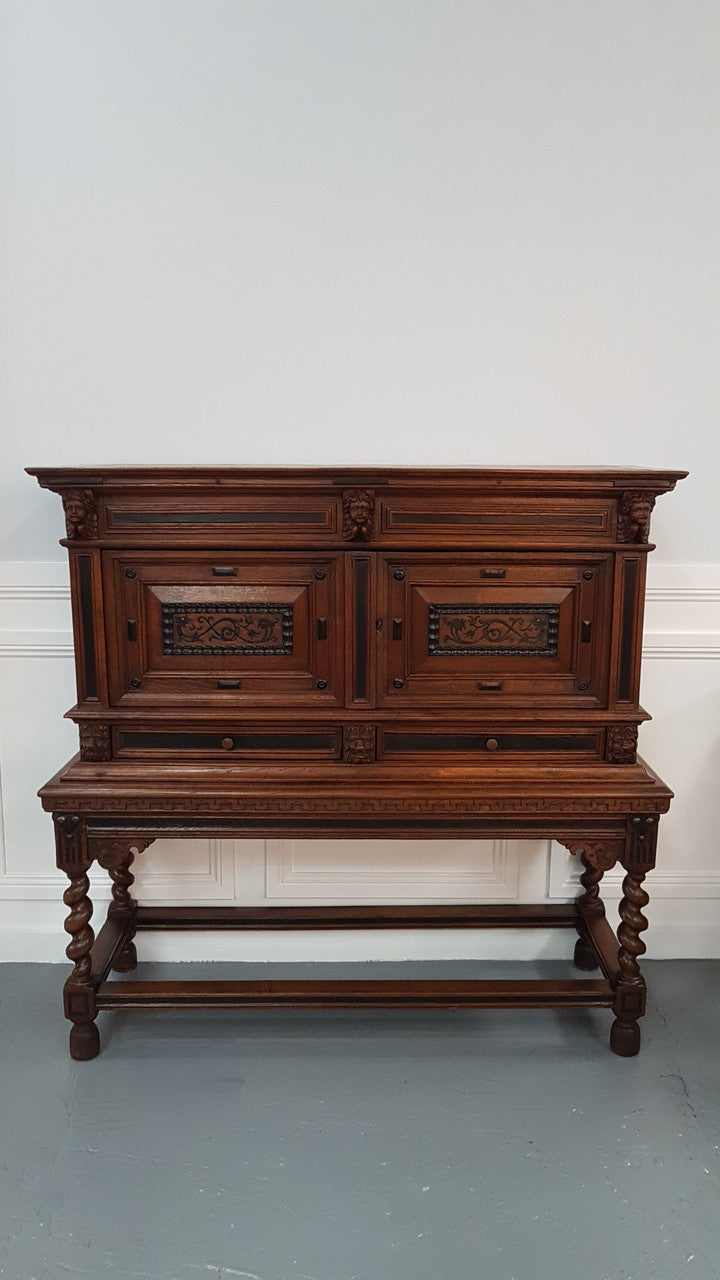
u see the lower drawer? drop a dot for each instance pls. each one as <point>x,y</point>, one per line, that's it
<point>454,744</point>
<point>274,742</point>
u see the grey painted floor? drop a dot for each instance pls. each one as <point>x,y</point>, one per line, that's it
<point>379,1145</point>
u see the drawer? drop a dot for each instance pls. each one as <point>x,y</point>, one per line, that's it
<point>466,519</point>
<point>465,743</point>
<point>482,631</point>
<point>252,517</point>
<point>223,629</point>
<point>230,741</point>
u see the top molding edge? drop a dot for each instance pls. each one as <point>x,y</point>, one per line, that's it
<point>492,478</point>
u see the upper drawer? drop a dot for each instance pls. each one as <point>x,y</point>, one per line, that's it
<point>253,518</point>
<point>459,519</point>
<point>253,630</point>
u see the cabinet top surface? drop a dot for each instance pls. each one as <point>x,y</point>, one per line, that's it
<point>567,478</point>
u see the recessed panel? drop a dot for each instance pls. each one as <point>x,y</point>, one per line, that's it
<point>476,630</point>
<point>255,629</point>
<point>225,628</point>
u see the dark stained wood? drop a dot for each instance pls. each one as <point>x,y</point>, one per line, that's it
<point>452,916</point>
<point>600,943</point>
<point>357,652</point>
<point>438,994</point>
<point>109,942</point>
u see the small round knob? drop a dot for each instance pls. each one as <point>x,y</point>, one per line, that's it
<point>582,684</point>
<point>397,683</point>
<point>492,744</point>
<point>135,682</point>
<point>588,575</point>
<point>321,684</point>
<point>130,573</point>
<point>399,574</point>
<point>319,574</point>
<point>227,744</point>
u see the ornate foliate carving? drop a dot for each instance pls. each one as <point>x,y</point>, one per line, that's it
<point>634,515</point>
<point>359,743</point>
<point>227,629</point>
<point>600,854</point>
<point>114,854</point>
<point>472,630</point>
<point>80,513</point>
<point>358,514</point>
<point>94,740</point>
<point>621,743</point>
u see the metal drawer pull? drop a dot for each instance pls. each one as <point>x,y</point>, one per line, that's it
<point>492,744</point>
<point>227,744</point>
<point>322,628</point>
<point>489,684</point>
<point>131,629</point>
<point>227,684</point>
<point>585,632</point>
<point>397,631</point>
<point>492,573</point>
<point>224,570</point>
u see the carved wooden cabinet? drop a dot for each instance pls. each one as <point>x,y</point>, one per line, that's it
<point>379,652</point>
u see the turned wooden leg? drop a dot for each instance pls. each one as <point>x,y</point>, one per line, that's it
<point>123,907</point>
<point>630,990</point>
<point>79,992</point>
<point>588,904</point>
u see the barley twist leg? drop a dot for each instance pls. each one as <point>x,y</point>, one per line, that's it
<point>630,991</point>
<point>79,992</point>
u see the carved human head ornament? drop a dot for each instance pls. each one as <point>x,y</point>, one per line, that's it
<point>634,516</point>
<point>80,513</point>
<point>358,514</point>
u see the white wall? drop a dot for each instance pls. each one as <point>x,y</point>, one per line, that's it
<point>408,231</point>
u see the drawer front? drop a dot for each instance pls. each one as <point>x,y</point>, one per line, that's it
<point>250,630</point>
<point>231,741</point>
<point>481,631</point>
<point>255,518</point>
<point>458,744</point>
<point>493,521</point>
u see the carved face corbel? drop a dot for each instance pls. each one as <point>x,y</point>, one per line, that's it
<point>80,513</point>
<point>359,743</point>
<point>634,515</point>
<point>358,514</point>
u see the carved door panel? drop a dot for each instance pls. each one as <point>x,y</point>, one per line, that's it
<point>494,631</point>
<point>224,630</point>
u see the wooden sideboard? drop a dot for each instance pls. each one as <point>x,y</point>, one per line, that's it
<point>356,652</point>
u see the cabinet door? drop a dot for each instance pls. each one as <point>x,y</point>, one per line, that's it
<point>222,630</point>
<point>491,631</point>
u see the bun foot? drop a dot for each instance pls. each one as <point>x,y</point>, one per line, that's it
<point>84,1041</point>
<point>126,959</point>
<point>625,1038</point>
<point>584,957</point>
